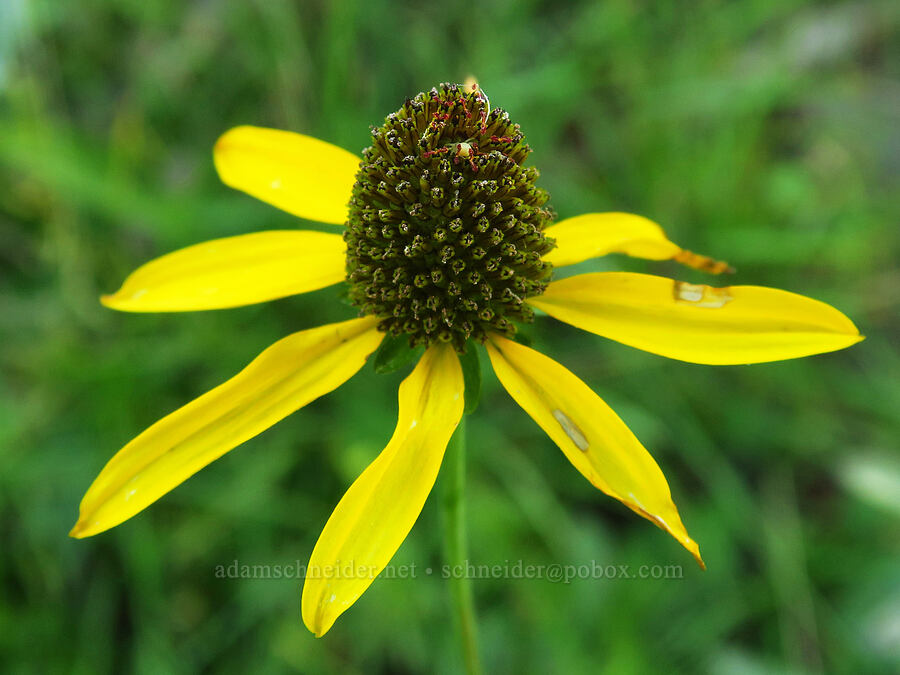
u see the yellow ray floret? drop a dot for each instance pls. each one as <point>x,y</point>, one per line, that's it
<point>378,511</point>
<point>597,234</point>
<point>233,271</point>
<point>299,174</point>
<point>286,376</point>
<point>698,323</point>
<point>590,434</point>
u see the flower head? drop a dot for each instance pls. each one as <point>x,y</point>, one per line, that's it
<point>445,230</point>
<point>447,242</point>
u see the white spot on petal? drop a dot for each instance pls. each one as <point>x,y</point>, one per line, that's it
<point>413,424</point>
<point>637,501</point>
<point>659,520</point>
<point>571,429</point>
<point>276,184</point>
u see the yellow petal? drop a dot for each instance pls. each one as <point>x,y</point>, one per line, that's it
<point>285,377</point>
<point>299,174</point>
<point>378,511</point>
<point>596,234</point>
<point>697,323</point>
<point>589,433</point>
<point>234,271</point>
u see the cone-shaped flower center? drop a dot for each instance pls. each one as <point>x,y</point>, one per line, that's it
<point>445,232</point>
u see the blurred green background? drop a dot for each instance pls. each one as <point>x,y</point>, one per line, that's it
<point>765,133</point>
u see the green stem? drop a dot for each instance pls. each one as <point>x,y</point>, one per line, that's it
<point>455,547</point>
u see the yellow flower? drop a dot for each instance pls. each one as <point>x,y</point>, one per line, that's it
<point>447,241</point>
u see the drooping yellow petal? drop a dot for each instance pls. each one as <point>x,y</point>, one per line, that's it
<point>378,511</point>
<point>299,174</point>
<point>590,434</point>
<point>286,376</point>
<point>596,234</point>
<point>234,271</point>
<point>697,323</point>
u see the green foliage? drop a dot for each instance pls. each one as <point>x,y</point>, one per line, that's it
<point>765,133</point>
<point>471,367</point>
<point>393,353</point>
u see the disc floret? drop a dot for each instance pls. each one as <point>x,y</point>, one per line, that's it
<point>445,231</point>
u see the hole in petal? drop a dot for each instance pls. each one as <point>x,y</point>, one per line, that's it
<point>700,295</point>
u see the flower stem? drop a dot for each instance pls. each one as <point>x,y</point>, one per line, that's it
<point>456,550</point>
